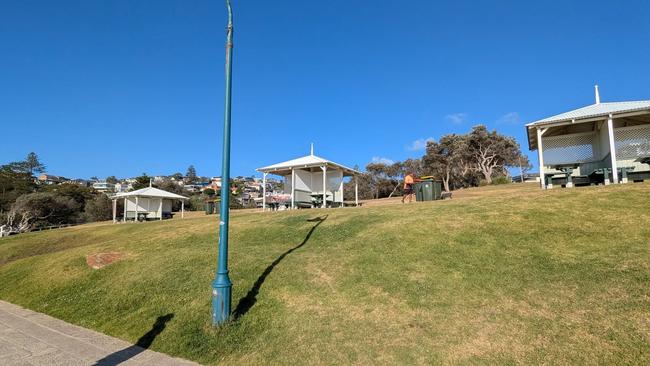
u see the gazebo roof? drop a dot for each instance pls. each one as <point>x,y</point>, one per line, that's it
<point>635,111</point>
<point>151,192</point>
<point>305,162</point>
<point>595,110</point>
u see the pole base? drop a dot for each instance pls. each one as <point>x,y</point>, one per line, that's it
<point>221,299</point>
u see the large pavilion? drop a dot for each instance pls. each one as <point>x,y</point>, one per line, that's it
<point>147,203</point>
<point>313,181</point>
<point>600,143</point>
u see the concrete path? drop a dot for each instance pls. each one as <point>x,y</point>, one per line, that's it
<point>31,338</point>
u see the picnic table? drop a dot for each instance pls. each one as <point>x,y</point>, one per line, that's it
<point>317,199</point>
<point>567,169</point>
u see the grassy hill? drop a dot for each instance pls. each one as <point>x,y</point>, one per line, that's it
<point>507,274</point>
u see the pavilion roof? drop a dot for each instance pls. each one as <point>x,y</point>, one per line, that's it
<point>595,110</point>
<point>590,113</point>
<point>304,162</point>
<point>150,192</point>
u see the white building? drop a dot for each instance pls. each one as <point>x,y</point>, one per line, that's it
<point>147,204</point>
<point>311,181</point>
<point>104,186</point>
<point>600,143</point>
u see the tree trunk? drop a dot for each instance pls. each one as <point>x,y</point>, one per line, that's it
<point>445,181</point>
<point>394,190</point>
<point>488,176</point>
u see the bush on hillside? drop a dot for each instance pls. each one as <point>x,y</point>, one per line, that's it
<point>99,208</point>
<point>36,210</point>
<point>502,179</point>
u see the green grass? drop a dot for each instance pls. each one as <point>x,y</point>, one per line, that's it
<point>505,275</point>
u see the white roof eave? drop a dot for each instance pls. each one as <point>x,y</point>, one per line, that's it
<point>594,112</point>
<point>309,161</point>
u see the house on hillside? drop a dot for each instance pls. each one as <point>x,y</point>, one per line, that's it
<point>50,179</point>
<point>311,181</point>
<point>104,187</point>
<point>600,143</point>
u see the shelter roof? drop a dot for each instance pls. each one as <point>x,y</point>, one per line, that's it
<point>308,161</point>
<point>151,192</point>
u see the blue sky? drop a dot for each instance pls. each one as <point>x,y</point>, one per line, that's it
<point>116,87</point>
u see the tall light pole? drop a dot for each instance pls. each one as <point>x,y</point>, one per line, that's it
<point>221,286</point>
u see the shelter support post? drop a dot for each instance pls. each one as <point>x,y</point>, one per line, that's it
<point>114,210</point>
<point>324,186</point>
<point>264,191</point>
<point>124,217</point>
<point>540,157</point>
<point>137,203</point>
<point>612,148</point>
<point>293,188</point>
<point>341,190</point>
<point>160,209</point>
<point>356,191</point>
<point>182,209</point>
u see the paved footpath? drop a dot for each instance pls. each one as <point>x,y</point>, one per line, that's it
<point>31,338</point>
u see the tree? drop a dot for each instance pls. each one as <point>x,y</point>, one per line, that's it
<point>443,159</point>
<point>377,173</point>
<point>491,152</point>
<point>112,179</point>
<point>77,193</point>
<point>142,181</point>
<point>33,164</point>
<point>209,192</point>
<point>13,183</point>
<point>177,176</point>
<point>41,209</point>
<point>100,208</point>
<point>190,176</point>
<point>524,167</point>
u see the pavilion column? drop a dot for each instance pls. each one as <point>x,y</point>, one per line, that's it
<point>137,203</point>
<point>341,189</point>
<point>540,157</point>
<point>264,192</point>
<point>114,210</point>
<point>124,217</point>
<point>356,191</point>
<point>324,168</point>
<point>612,148</point>
<point>293,188</point>
<point>182,209</point>
<point>160,209</point>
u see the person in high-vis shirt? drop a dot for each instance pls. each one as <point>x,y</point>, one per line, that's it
<point>409,180</point>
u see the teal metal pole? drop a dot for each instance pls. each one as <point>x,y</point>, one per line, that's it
<point>221,286</point>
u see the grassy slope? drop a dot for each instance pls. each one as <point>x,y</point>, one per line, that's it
<point>504,275</point>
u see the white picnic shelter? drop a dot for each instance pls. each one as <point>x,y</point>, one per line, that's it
<point>149,203</point>
<point>601,143</point>
<point>312,181</point>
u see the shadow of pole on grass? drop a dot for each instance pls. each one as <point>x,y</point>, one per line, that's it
<point>247,302</point>
<point>140,346</point>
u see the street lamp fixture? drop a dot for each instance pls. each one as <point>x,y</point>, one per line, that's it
<point>221,286</point>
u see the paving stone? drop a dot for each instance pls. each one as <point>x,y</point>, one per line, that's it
<point>33,339</point>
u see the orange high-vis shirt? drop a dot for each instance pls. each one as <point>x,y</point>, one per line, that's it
<point>408,180</point>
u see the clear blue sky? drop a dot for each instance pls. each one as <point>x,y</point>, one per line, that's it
<point>113,87</point>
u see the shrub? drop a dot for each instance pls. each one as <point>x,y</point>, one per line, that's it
<point>501,180</point>
<point>45,209</point>
<point>99,208</point>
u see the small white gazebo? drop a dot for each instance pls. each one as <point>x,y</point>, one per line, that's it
<point>311,177</point>
<point>590,144</point>
<point>151,202</point>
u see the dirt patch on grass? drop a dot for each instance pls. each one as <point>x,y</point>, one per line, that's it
<point>101,260</point>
